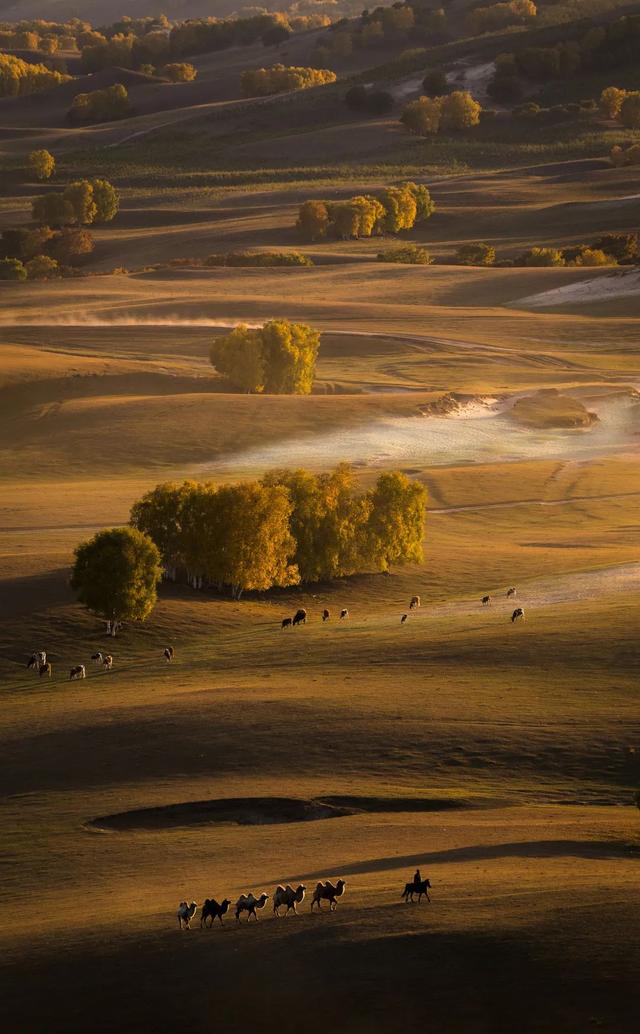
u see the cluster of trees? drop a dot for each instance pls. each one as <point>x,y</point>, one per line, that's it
<point>383,28</point>
<point>622,105</point>
<point>455,111</point>
<point>180,72</point>
<point>82,202</point>
<point>261,82</point>
<point>289,528</point>
<point>19,78</point>
<point>278,358</point>
<point>392,210</point>
<point>610,45</point>
<point>501,16</point>
<point>476,253</point>
<point>101,105</point>
<point>407,255</point>
<point>259,258</point>
<point>40,253</point>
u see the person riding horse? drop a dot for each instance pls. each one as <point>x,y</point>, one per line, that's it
<point>417,879</point>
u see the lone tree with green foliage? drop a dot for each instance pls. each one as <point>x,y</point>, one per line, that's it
<point>115,575</point>
<point>278,358</point>
<point>42,164</point>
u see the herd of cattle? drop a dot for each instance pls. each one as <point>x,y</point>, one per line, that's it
<point>38,661</point>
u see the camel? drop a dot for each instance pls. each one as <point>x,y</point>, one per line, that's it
<point>249,903</point>
<point>518,613</point>
<point>421,888</point>
<point>327,892</point>
<point>186,913</point>
<point>212,910</point>
<point>289,897</point>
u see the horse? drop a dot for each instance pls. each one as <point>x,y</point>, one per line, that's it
<point>421,889</point>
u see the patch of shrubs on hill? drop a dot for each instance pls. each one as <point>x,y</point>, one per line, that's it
<point>288,528</point>
<point>262,82</point>
<point>384,28</point>
<point>625,156</point>
<point>407,255</point>
<point>609,250</point>
<point>427,116</point>
<point>258,258</point>
<point>278,358</point>
<point>501,16</point>
<point>622,105</point>
<point>101,105</point>
<point>532,112</point>
<point>82,202</point>
<point>394,209</point>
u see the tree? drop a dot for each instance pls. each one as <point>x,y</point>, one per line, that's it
<point>401,208</point>
<point>42,267</point>
<point>79,194</point>
<point>425,205</point>
<point>611,100</point>
<point>239,357</point>
<point>460,111</point>
<point>593,257</point>
<point>42,164</point>
<point>160,515</point>
<point>406,254</point>
<point>106,200</point>
<point>12,269</point>
<point>70,246</point>
<point>290,352</point>
<point>313,220</point>
<point>434,83</point>
<point>115,575</point>
<point>423,116</point>
<point>620,246</point>
<point>24,242</point>
<point>101,105</point>
<point>630,110</point>
<point>476,253</point>
<point>396,522</point>
<point>345,219</point>
<point>53,210</point>
<point>180,72</point>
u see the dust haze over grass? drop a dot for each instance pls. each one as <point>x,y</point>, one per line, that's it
<point>525,735</point>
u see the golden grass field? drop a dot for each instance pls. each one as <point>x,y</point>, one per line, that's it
<point>500,758</point>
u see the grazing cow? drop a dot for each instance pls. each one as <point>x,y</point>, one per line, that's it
<point>45,669</point>
<point>107,662</point>
<point>249,903</point>
<point>518,613</point>
<point>186,913</point>
<point>300,617</point>
<point>78,672</point>
<point>486,601</point>
<point>97,658</point>
<point>327,892</point>
<point>289,897</point>
<point>344,613</point>
<point>403,618</point>
<point>511,592</point>
<point>168,654</point>
<point>36,660</point>
<point>421,889</point>
<point>212,910</point>
<point>414,603</point>
<point>325,615</point>
<point>286,623</point>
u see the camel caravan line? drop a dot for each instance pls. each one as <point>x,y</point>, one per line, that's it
<point>285,898</point>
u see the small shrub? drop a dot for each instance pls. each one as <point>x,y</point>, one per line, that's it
<point>42,267</point>
<point>42,164</point>
<point>259,258</point>
<point>541,257</point>
<point>476,253</point>
<point>12,269</point>
<point>407,254</point>
<point>593,257</point>
<point>180,72</point>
